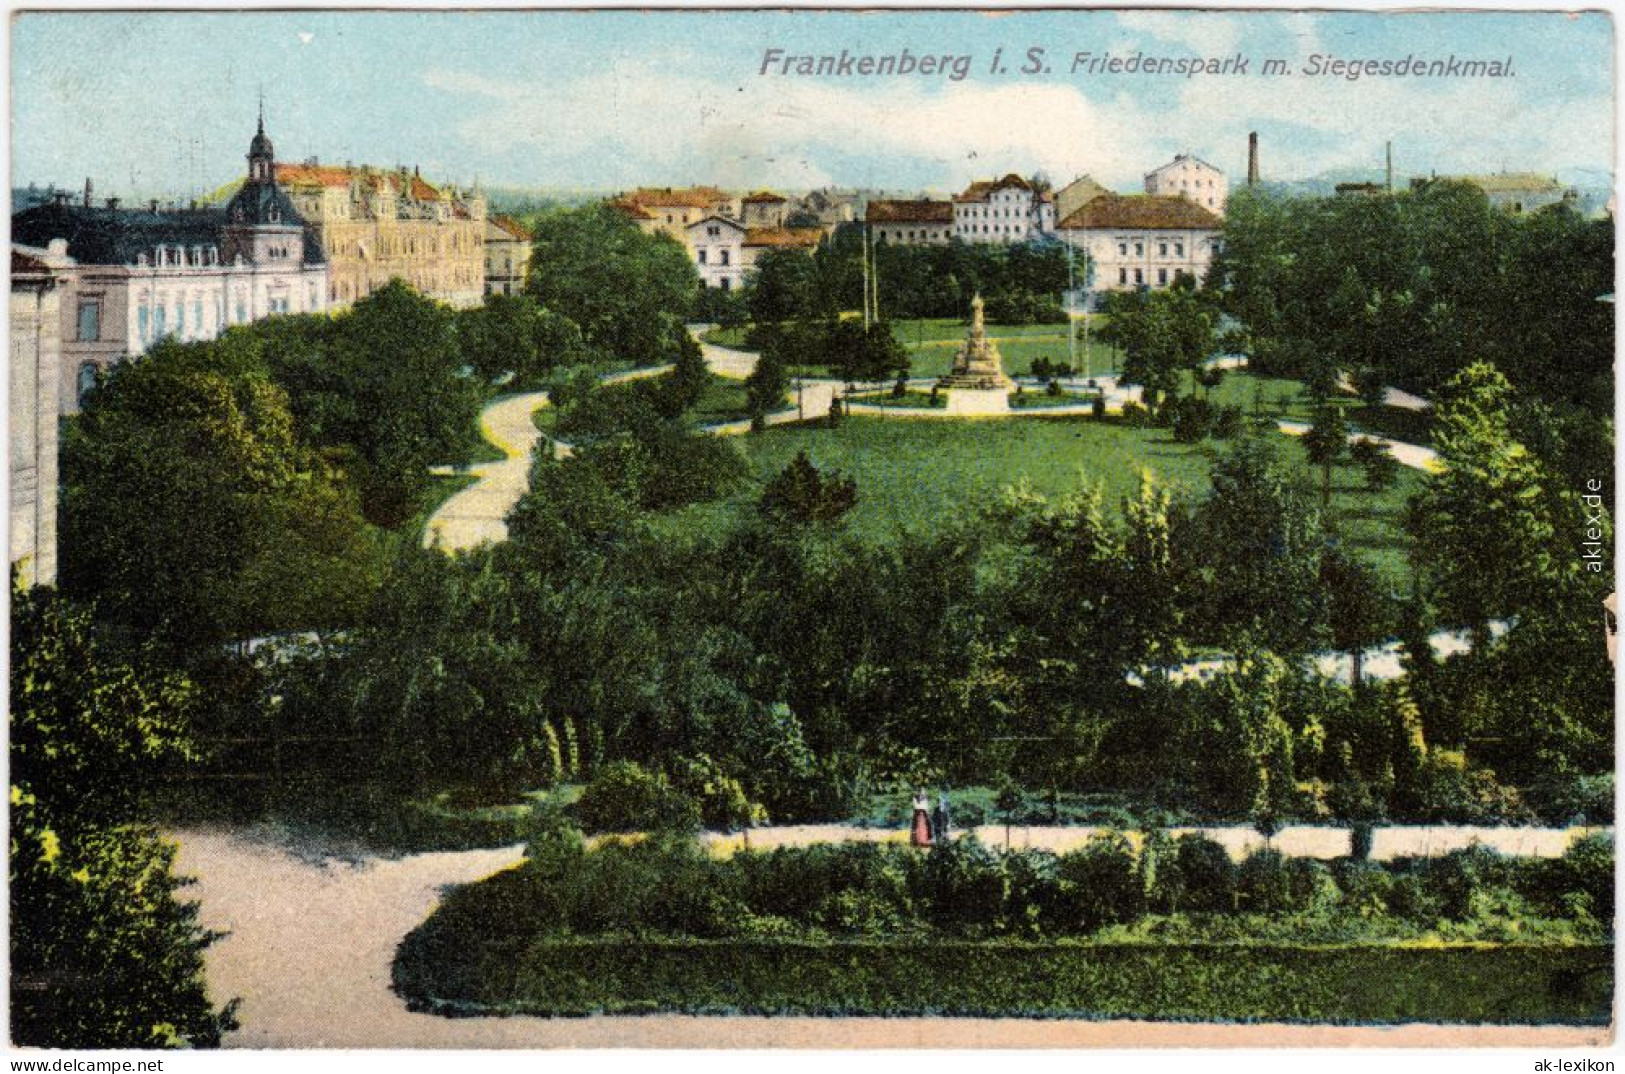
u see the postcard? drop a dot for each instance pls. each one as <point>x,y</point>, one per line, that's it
<point>812,528</point>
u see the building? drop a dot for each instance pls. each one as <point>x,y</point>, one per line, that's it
<point>39,278</point>
<point>1144,240</point>
<point>1187,176</point>
<point>1521,192</point>
<point>717,245</point>
<point>144,274</point>
<point>670,210</point>
<point>1007,210</point>
<point>507,256</point>
<point>831,207</point>
<point>765,209</point>
<point>923,222</point>
<point>378,225</point>
<point>1075,195</point>
<point>725,251</point>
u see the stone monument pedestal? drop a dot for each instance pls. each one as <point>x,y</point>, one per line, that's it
<point>978,367</point>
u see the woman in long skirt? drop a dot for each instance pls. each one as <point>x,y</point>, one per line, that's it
<point>920,833</point>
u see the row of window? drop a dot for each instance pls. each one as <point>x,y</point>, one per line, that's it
<point>1162,249</point>
<point>722,256</point>
<point>176,256</point>
<point>1139,276</point>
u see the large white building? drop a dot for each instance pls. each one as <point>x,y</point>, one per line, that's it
<point>1002,211</point>
<point>146,274</point>
<point>920,222</point>
<point>38,280</point>
<point>1143,240</point>
<point>1189,177</point>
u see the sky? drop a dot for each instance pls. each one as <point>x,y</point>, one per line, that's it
<point>148,103</point>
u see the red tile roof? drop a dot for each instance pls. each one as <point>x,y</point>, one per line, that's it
<point>979,190</point>
<point>1147,211</point>
<point>789,237</point>
<point>692,197</point>
<point>923,211</point>
<point>512,227</point>
<point>764,197</point>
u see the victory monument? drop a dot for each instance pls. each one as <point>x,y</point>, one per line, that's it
<point>977,365</point>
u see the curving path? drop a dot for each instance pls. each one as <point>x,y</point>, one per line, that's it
<point>476,515</point>
<point>310,944</point>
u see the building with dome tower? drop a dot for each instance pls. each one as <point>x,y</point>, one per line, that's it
<point>142,274</point>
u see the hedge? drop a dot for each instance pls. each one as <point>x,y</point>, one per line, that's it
<point>511,974</point>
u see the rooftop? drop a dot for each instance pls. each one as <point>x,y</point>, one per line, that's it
<point>1147,211</point>
<point>923,211</point>
<point>785,237</point>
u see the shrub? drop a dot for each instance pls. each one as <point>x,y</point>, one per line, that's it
<point>963,886</point>
<point>1100,884</point>
<point>1226,423</point>
<point>1367,888</point>
<point>722,802</point>
<point>1097,407</point>
<point>1264,883</point>
<point>1202,875</point>
<point>1135,415</point>
<point>626,797</point>
<point>1053,388</point>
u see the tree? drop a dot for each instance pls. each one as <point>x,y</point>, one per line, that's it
<point>1327,442</point>
<point>394,364</point>
<point>188,502</point>
<point>1483,525</point>
<point>765,387</point>
<point>510,336</point>
<point>783,287</point>
<point>1163,334</point>
<point>800,493</point>
<point>102,953</point>
<point>1257,542</point>
<point>628,291</point>
<point>1380,466</point>
<point>1358,612</point>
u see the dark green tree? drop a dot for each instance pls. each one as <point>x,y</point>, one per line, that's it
<point>103,954</point>
<point>628,291</point>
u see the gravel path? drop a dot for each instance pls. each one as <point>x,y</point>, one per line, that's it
<point>311,943</point>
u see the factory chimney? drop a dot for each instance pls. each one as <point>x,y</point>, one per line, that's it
<point>87,191</point>
<point>1252,159</point>
<point>1390,182</point>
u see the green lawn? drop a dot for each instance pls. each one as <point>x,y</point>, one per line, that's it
<point>913,399</point>
<point>1039,398</point>
<point>920,474</point>
<point>931,344</point>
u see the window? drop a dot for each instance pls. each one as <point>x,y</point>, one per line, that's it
<point>90,321</point>
<point>197,316</point>
<point>1122,249</point>
<point>724,255</point>
<point>1139,276</point>
<point>242,311</point>
<point>1122,275</point>
<point>1162,275</point>
<point>1179,249</point>
<point>1139,249</point>
<point>158,326</point>
<point>87,380</point>
<point>701,256</point>
<point>143,324</point>
<point>1162,249</point>
<point>713,231</point>
<point>725,283</point>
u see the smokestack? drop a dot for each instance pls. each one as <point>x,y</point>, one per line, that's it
<point>87,191</point>
<point>1252,159</point>
<point>1390,183</point>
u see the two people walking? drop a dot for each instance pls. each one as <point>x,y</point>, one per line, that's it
<point>929,827</point>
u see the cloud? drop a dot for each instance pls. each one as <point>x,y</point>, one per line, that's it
<point>659,119</point>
